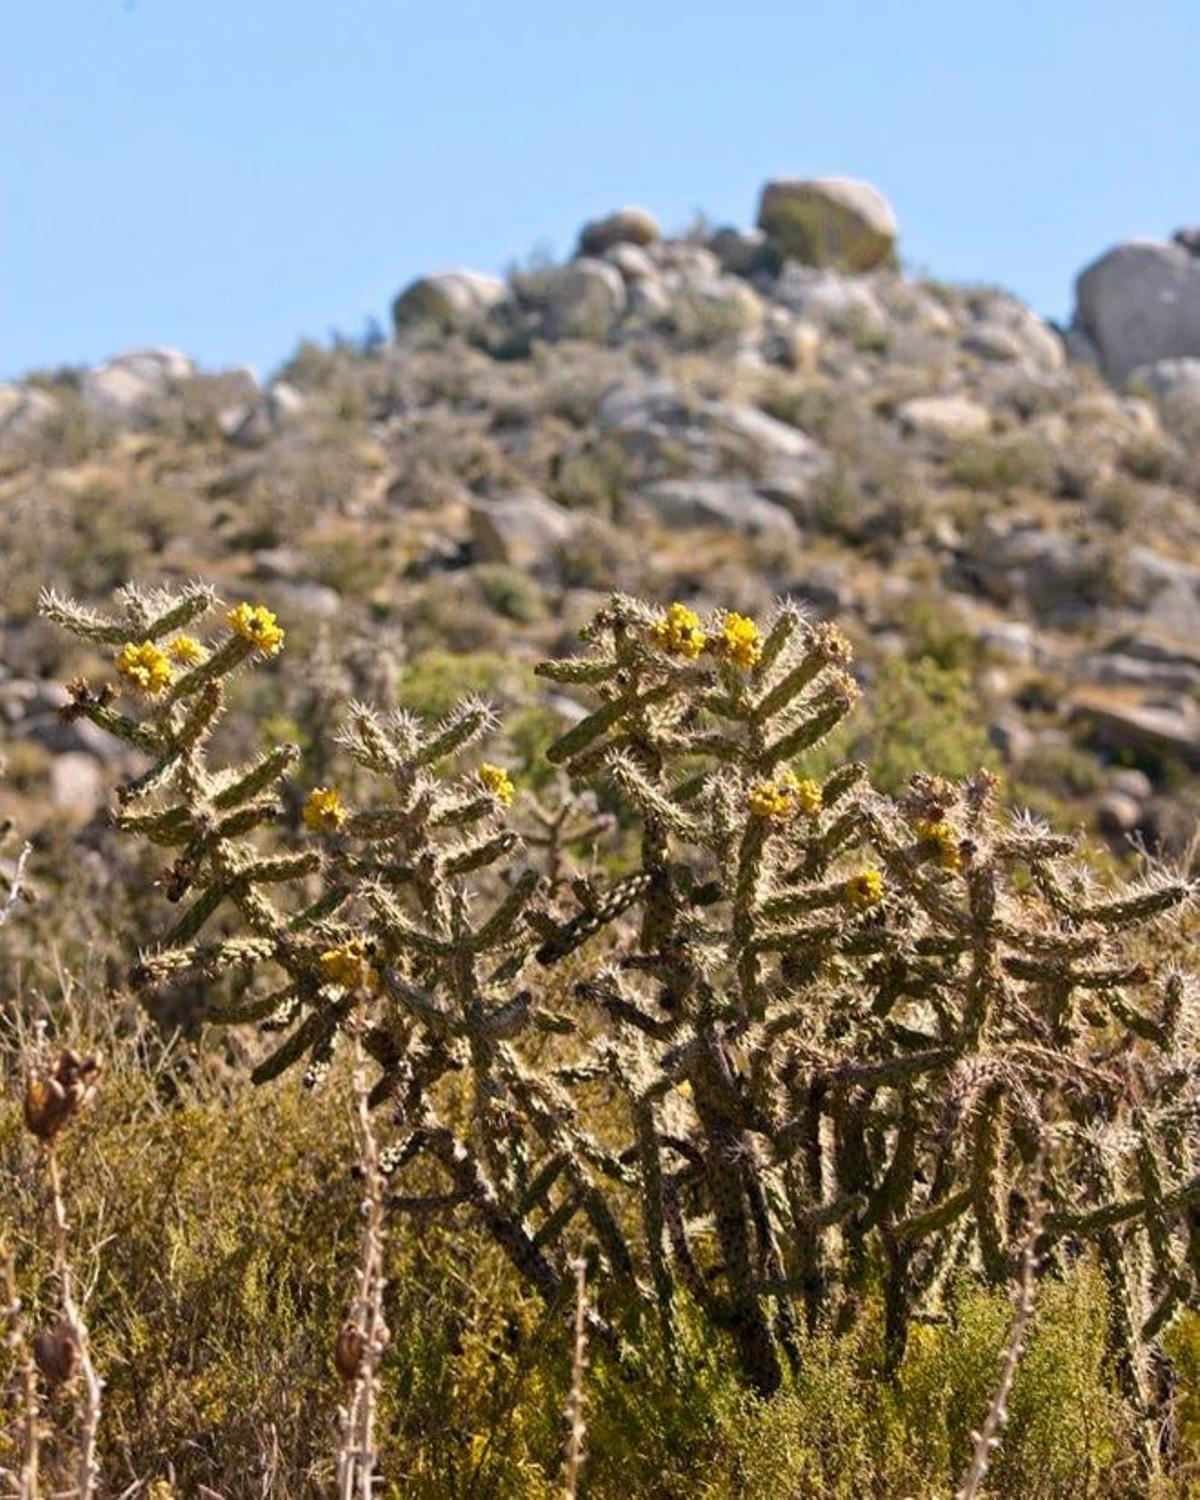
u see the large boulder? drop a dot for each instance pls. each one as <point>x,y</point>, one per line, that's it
<point>583,300</point>
<point>1140,303</point>
<point>22,408</point>
<point>628,226</point>
<point>829,221</point>
<point>127,385</point>
<point>453,301</point>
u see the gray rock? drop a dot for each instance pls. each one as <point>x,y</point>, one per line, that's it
<point>830,300</point>
<point>583,300</point>
<point>1117,814</point>
<point>731,505</point>
<point>632,262</point>
<point>944,418</point>
<point>1140,303</point>
<point>1012,641</point>
<point>1145,727</point>
<point>644,402</point>
<point>453,301</point>
<point>829,221</point>
<point>767,435</point>
<point>524,530</point>
<point>1167,589</point>
<point>23,408</point>
<point>745,252</point>
<point>1174,382</point>
<point>1007,331</point>
<point>628,226</point>
<point>76,783</point>
<point>1131,783</point>
<point>130,384</point>
<point>1012,737</point>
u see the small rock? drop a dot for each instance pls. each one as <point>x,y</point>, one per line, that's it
<point>1117,814</point>
<point>76,783</point>
<point>628,226</point>
<point>1175,382</point>
<point>944,417</point>
<point>524,530</point>
<point>632,262</point>
<point>1012,641</point>
<point>1142,727</point>
<point>731,505</point>
<point>745,252</point>
<point>829,221</point>
<point>1132,783</point>
<point>1012,738</point>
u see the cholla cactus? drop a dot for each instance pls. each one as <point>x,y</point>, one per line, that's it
<point>842,1028</point>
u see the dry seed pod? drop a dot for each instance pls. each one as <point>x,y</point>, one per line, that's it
<point>52,1101</point>
<point>349,1351</point>
<point>56,1352</point>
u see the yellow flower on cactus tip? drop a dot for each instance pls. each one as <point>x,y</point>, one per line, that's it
<point>324,811</point>
<point>942,841</point>
<point>863,890</point>
<point>679,633</point>
<point>256,624</point>
<point>739,641</point>
<point>780,800</point>
<point>347,966</point>
<point>497,780</point>
<point>145,667</point>
<point>186,650</point>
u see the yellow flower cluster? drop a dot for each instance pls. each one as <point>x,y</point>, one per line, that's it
<point>942,842</point>
<point>780,800</point>
<point>186,650</point>
<point>678,632</point>
<point>256,624</point>
<point>497,780</point>
<point>348,966</point>
<point>863,890</point>
<point>324,811</point>
<point>739,641</point>
<point>145,667</point>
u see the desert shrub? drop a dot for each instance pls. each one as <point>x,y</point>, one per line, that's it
<point>1003,463</point>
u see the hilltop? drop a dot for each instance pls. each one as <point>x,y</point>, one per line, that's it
<point>1003,515</point>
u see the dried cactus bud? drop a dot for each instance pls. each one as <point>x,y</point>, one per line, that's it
<point>54,1100</point>
<point>56,1352</point>
<point>349,1351</point>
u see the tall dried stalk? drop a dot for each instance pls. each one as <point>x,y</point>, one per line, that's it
<point>576,1424</point>
<point>987,1439</point>
<point>89,1425</point>
<point>22,1358</point>
<point>364,1336</point>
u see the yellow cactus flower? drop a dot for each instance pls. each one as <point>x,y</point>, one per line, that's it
<point>348,966</point>
<point>145,667</point>
<point>186,650</point>
<point>942,842</point>
<point>863,890</point>
<point>739,641</point>
<point>778,801</point>
<point>678,632</point>
<point>497,780</point>
<point>324,811</point>
<point>256,624</point>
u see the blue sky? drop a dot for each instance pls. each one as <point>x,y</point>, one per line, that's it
<point>229,175</point>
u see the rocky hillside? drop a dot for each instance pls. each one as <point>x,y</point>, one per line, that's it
<point>1004,516</point>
